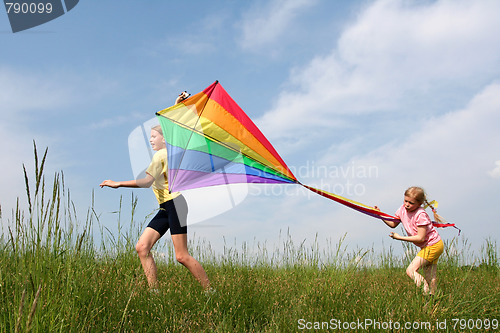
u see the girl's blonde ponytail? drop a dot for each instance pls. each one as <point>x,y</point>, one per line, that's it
<point>437,217</point>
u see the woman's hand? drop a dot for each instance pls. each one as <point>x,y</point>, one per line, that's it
<point>182,96</point>
<point>109,183</point>
<point>142,182</point>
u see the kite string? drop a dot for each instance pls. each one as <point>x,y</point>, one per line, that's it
<point>352,204</point>
<point>440,222</point>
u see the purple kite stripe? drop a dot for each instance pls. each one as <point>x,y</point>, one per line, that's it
<point>186,180</point>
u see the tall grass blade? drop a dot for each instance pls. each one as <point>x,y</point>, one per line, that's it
<point>20,312</point>
<point>26,182</point>
<point>33,309</point>
<point>124,314</point>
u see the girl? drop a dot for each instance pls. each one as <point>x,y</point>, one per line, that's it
<point>171,215</point>
<point>422,233</point>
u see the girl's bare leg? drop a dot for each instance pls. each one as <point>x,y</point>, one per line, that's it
<point>182,255</point>
<point>143,247</point>
<point>412,272</point>
<point>430,273</point>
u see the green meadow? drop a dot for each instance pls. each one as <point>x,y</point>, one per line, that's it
<point>55,277</point>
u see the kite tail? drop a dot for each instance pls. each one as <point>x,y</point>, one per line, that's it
<point>439,221</point>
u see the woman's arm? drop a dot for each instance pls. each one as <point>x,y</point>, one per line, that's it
<point>418,238</point>
<point>139,183</point>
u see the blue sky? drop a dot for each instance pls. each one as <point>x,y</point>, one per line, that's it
<point>361,98</point>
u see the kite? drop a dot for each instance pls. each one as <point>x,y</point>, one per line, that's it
<point>211,141</point>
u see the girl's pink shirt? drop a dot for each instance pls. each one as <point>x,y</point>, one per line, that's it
<point>412,220</point>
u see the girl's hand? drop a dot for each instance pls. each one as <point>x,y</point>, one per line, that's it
<point>394,235</point>
<point>109,183</point>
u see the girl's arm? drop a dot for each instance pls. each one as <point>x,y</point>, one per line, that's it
<point>390,223</point>
<point>418,238</point>
<point>139,183</point>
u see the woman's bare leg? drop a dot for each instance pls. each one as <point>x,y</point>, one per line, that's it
<point>182,255</point>
<point>143,247</point>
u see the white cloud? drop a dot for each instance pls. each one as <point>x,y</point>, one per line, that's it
<point>22,94</point>
<point>447,155</point>
<point>394,60</point>
<point>117,121</point>
<point>28,98</point>
<point>29,91</point>
<point>197,37</point>
<point>14,151</point>
<point>26,91</point>
<point>394,56</point>
<point>495,173</point>
<point>449,151</point>
<point>408,41</point>
<point>264,25</point>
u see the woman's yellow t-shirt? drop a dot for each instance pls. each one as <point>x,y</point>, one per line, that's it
<point>158,170</point>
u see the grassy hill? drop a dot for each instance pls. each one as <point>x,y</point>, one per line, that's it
<point>54,278</point>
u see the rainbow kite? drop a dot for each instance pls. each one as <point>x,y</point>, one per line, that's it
<point>211,141</point>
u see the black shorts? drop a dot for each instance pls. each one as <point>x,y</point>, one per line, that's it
<point>172,215</point>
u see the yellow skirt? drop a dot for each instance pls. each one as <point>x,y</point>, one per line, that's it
<point>431,253</point>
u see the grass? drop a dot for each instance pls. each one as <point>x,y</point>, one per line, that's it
<point>54,278</point>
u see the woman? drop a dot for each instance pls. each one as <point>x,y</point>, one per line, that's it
<point>171,215</point>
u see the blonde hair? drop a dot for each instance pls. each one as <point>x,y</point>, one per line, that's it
<point>419,195</point>
<point>158,129</point>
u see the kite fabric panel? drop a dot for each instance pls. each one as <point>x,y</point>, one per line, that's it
<point>211,141</point>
